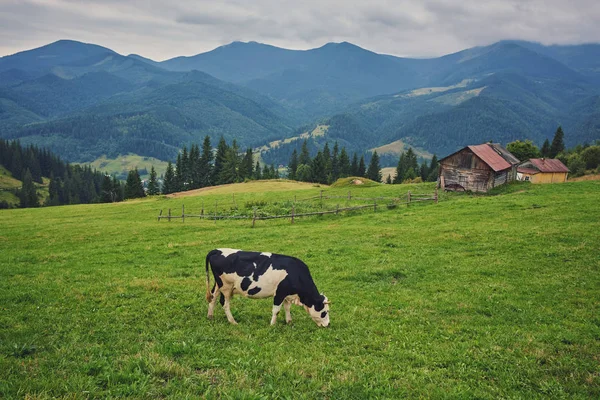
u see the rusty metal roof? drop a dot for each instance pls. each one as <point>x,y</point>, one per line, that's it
<point>530,171</point>
<point>548,165</point>
<point>489,156</point>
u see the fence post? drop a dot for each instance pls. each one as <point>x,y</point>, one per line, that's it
<point>375,205</point>
<point>337,210</point>
<point>169,215</point>
<point>293,212</point>
<point>408,197</point>
<point>183,213</point>
<point>321,195</point>
<point>159,214</point>
<point>254,217</point>
<point>436,195</point>
<point>202,212</point>
<point>349,196</point>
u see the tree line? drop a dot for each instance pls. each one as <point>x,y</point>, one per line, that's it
<point>200,167</point>
<point>69,184</point>
<point>580,159</point>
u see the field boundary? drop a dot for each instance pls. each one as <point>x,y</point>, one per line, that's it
<point>387,202</point>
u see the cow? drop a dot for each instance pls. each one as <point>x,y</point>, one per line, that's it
<point>262,275</point>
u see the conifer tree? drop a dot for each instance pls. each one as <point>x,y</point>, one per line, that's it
<point>304,157</point>
<point>434,169</point>
<point>220,160</point>
<point>204,167</point>
<point>327,164</point>
<point>133,186</point>
<point>558,144</point>
<point>169,184</point>
<point>388,180</point>
<point>335,163</point>
<point>344,164</point>
<point>28,195</point>
<point>424,171</point>
<point>545,151</point>
<point>178,174</point>
<point>257,172</point>
<point>374,171</point>
<point>361,167</point>
<point>153,188</point>
<point>53,192</point>
<point>247,165</point>
<point>193,167</point>
<point>293,165</point>
<point>230,170</point>
<point>108,194</point>
<point>354,165</point>
<point>318,168</point>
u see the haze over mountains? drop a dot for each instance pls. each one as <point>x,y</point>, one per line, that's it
<point>84,101</point>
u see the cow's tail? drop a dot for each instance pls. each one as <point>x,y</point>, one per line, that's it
<point>209,295</point>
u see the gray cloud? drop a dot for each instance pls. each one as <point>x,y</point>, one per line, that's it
<point>162,30</point>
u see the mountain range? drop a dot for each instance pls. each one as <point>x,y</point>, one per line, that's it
<point>84,101</point>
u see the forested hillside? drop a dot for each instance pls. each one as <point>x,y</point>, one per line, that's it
<point>85,101</point>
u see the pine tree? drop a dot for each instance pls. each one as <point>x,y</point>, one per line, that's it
<point>257,172</point>
<point>293,165</point>
<point>354,166</point>
<point>335,163</point>
<point>108,194</point>
<point>374,171</point>
<point>204,166</point>
<point>178,174</point>
<point>118,189</point>
<point>220,160</point>
<point>327,164</point>
<point>53,191</point>
<point>133,186</point>
<point>318,168</point>
<point>388,180</point>
<point>344,162</point>
<point>193,167</point>
<point>169,184</point>
<point>434,169</point>
<point>304,157</point>
<point>230,170</point>
<point>545,151</point>
<point>247,165</point>
<point>424,171</point>
<point>361,167</point>
<point>558,144</point>
<point>153,188</point>
<point>28,195</point>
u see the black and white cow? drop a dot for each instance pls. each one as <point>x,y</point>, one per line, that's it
<point>261,275</point>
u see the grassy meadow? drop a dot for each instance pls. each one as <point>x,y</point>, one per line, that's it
<point>479,296</point>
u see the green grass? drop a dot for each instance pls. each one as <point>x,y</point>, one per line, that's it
<point>121,165</point>
<point>475,297</point>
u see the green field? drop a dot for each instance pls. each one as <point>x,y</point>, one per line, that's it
<point>121,165</point>
<point>494,296</point>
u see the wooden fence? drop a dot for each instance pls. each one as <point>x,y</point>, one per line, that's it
<point>391,203</point>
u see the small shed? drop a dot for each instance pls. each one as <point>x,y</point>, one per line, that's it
<point>477,168</point>
<point>542,170</point>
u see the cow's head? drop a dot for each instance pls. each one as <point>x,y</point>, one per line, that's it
<point>319,311</point>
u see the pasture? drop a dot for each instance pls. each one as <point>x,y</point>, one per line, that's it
<point>494,296</point>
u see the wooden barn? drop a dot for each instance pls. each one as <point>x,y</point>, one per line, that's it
<point>477,168</point>
<point>542,170</point>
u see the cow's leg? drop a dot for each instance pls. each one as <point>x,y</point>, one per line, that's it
<point>288,315</point>
<point>228,295</point>
<point>211,305</point>
<point>276,309</point>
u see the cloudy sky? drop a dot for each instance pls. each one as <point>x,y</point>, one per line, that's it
<point>163,29</point>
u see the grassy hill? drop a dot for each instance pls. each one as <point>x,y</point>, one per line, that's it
<point>491,296</point>
<point>122,164</point>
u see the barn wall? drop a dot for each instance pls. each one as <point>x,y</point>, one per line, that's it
<point>549,177</point>
<point>501,177</point>
<point>467,170</point>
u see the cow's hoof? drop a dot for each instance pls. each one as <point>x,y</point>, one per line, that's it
<point>209,316</point>
<point>288,322</point>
